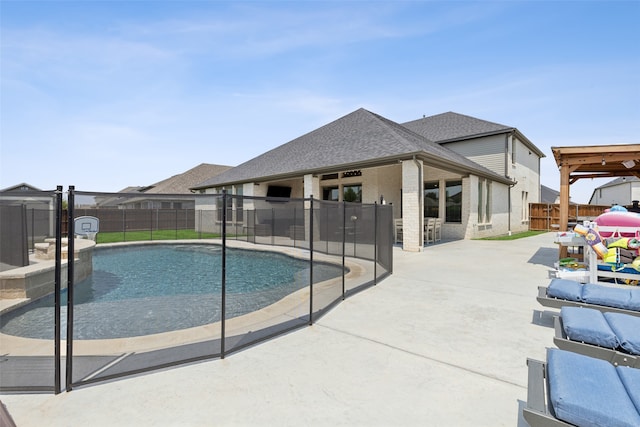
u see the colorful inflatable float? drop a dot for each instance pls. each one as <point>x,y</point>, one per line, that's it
<point>614,237</point>
<point>618,223</point>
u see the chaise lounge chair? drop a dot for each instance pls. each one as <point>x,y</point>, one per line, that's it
<point>613,337</point>
<point>573,389</point>
<point>563,292</point>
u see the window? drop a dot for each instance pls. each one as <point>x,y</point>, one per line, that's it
<point>453,198</point>
<point>489,202</point>
<point>219,205</point>
<point>525,206</point>
<point>484,201</point>
<point>330,193</point>
<point>431,199</point>
<point>352,193</point>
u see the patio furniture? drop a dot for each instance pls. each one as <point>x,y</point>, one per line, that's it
<point>609,336</point>
<point>397,230</point>
<point>437,230</point>
<point>564,292</point>
<point>429,230</point>
<point>573,389</point>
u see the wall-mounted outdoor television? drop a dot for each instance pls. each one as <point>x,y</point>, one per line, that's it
<point>278,191</point>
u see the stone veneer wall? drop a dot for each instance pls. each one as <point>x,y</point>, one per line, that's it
<point>37,280</point>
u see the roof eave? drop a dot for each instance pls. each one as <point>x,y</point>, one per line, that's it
<point>382,161</point>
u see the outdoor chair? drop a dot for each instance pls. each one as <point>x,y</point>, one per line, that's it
<point>429,230</point>
<point>573,389</point>
<point>397,229</point>
<point>569,293</point>
<point>437,230</point>
<point>609,336</point>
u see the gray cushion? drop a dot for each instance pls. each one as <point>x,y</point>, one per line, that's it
<point>589,326</point>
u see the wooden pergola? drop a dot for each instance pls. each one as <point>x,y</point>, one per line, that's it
<point>593,161</point>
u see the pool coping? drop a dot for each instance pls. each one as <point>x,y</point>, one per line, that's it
<point>290,307</point>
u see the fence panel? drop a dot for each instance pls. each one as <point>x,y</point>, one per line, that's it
<point>34,367</point>
<point>546,216</point>
<point>189,277</point>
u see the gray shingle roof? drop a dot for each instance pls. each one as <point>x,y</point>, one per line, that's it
<point>181,183</point>
<point>359,139</point>
<point>452,126</point>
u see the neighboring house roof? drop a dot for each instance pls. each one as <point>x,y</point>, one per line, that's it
<point>618,181</point>
<point>20,187</point>
<point>551,196</point>
<point>359,139</point>
<point>177,184</point>
<point>450,127</point>
<point>182,183</point>
<point>548,195</point>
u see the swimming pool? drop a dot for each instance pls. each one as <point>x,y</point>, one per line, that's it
<point>141,290</point>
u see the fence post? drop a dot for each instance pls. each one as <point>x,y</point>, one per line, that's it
<point>70,258</point>
<point>311,261</point>
<point>375,243</point>
<point>273,226</point>
<point>344,244</point>
<point>57,278</point>
<point>223,308</point>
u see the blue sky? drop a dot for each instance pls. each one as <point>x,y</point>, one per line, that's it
<point>103,95</point>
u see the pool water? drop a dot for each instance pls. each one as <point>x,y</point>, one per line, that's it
<point>141,290</point>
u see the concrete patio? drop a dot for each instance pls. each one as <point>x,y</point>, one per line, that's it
<point>442,342</point>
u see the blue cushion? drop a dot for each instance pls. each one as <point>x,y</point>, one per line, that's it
<point>589,326</point>
<point>630,378</point>
<point>627,329</point>
<point>565,289</point>
<point>606,295</point>
<point>634,301</point>
<point>588,392</point>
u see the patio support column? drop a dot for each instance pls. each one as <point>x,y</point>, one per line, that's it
<point>565,183</point>
<point>311,188</point>
<point>412,212</point>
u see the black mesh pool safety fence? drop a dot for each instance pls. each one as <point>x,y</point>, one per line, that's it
<point>160,280</point>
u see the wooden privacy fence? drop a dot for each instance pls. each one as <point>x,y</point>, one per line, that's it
<point>546,216</point>
<point>136,219</point>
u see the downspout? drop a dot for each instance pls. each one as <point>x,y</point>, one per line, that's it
<point>420,201</point>
<point>506,174</point>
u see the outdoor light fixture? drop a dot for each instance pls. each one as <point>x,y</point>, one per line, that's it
<point>629,164</point>
<point>603,161</point>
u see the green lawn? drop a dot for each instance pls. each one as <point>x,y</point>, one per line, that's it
<point>515,236</point>
<point>132,236</point>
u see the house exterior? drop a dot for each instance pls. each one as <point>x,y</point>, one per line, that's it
<point>159,195</point>
<point>501,149</point>
<point>478,177</point>
<point>620,191</point>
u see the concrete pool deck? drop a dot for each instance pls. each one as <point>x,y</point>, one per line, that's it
<point>443,341</point>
